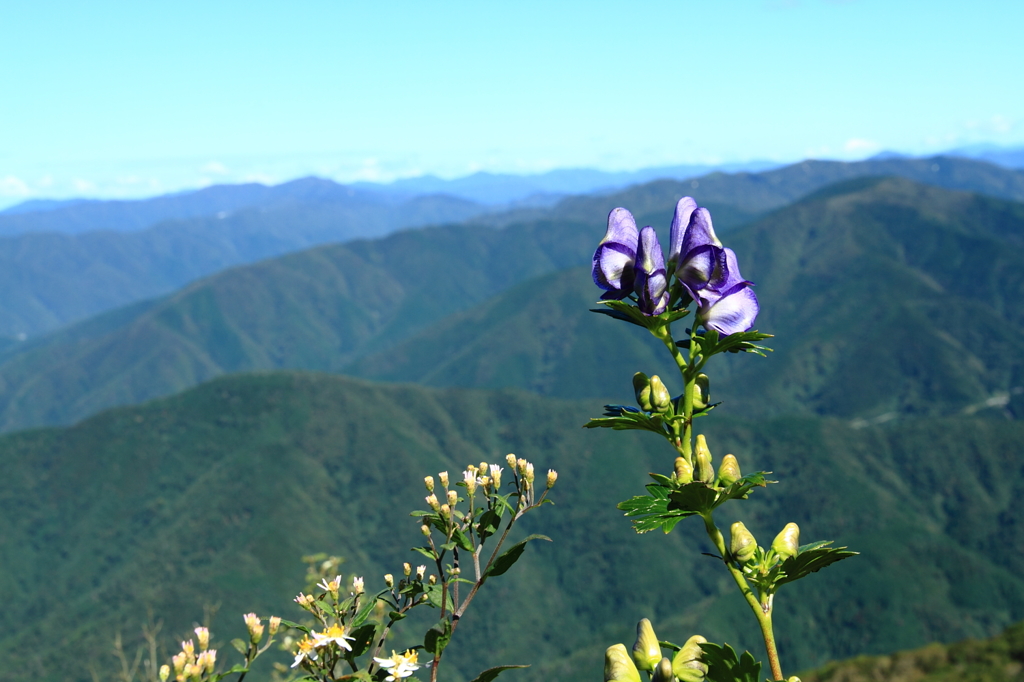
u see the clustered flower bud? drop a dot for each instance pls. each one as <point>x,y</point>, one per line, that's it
<point>446,511</point>
<point>305,601</point>
<point>683,471</point>
<point>687,664</point>
<point>642,391</point>
<point>453,497</point>
<point>428,481</point>
<point>703,471</point>
<point>425,529</point>
<point>510,459</point>
<point>252,622</point>
<point>444,479</point>
<point>552,477</point>
<point>743,545</point>
<point>432,502</point>
<point>646,650</point>
<point>407,569</point>
<point>165,672</point>
<point>787,542</point>
<point>661,399</point>
<point>274,625</point>
<point>389,579</point>
<point>729,471</point>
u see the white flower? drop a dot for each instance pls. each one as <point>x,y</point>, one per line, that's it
<point>400,665</point>
<point>306,651</point>
<point>335,634</point>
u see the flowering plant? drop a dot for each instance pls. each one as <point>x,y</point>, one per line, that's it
<point>640,288</point>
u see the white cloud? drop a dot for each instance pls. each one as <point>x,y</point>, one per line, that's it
<point>11,186</point>
<point>215,167</point>
<point>83,186</point>
<point>857,144</point>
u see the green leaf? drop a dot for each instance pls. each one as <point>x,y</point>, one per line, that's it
<point>426,551</point>
<point>510,557</point>
<point>362,638</point>
<point>462,541</point>
<point>491,673</point>
<point>811,561</point>
<point>437,637</point>
<point>725,666</point>
<point>396,616</point>
<point>695,498</point>
<point>241,646</point>
<point>297,626</point>
<point>435,593</point>
<point>367,608</point>
<point>488,524</point>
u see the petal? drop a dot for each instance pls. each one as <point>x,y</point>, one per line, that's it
<point>651,284</point>
<point>649,257</point>
<point>621,228</point>
<point>684,209</point>
<point>613,267</point>
<point>696,271</point>
<point>733,312</point>
<point>727,273</point>
<point>699,232</point>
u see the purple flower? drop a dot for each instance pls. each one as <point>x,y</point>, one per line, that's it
<point>615,255</point>
<point>727,304</point>
<point>695,248</point>
<point>651,284</point>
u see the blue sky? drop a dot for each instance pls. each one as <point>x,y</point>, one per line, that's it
<point>140,98</point>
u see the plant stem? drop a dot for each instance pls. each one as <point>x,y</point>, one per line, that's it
<point>764,617</point>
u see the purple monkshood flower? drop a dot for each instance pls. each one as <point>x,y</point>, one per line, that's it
<point>698,248</point>
<point>727,304</point>
<point>615,256</point>
<point>651,285</point>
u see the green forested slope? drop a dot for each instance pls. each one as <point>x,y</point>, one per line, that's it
<point>211,496</point>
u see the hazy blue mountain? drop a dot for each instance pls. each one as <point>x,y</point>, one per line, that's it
<point>52,279</point>
<point>1009,157</point>
<point>74,216</point>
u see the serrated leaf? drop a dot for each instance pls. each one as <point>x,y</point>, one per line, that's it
<point>696,498</point>
<point>437,637</point>
<point>811,561</point>
<point>511,556</point>
<point>725,666</point>
<point>664,481</point>
<point>491,673</point>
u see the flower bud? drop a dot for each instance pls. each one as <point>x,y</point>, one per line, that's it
<point>432,579</point>
<point>428,481</point>
<point>484,466</point>
<point>619,665</point>
<point>703,471</point>
<point>646,650</point>
<point>274,625</point>
<point>453,497</point>
<point>389,580</point>
<point>407,569</point>
<point>701,392</point>
<point>425,529</point>
<point>663,671</point>
<point>510,459</point>
<point>165,672</point>
<point>469,478</point>
<point>787,543</point>
<point>443,476</point>
<point>684,471</point>
<point>794,678</point>
<point>552,477</point>
<point>687,664</point>
<point>729,471</point>
<point>521,466</point>
<point>255,627</point>
<point>661,399</point>
<point>446,511</point>
<point>357,586</point>
<point>420,571</point>
<point>742,545</point>
<point>432,502</point>
<point>189,649</point>
<point>203,637</point>
<point>179,660</point>
<point>642,391</point>
<point>496,476</point>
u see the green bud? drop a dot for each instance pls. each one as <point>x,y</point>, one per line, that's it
<point>703,471</point>
<point>794,678</point>
<point>701,392</point>
<point>646,650</point>
<point>742,544</point>
<point>619,666</point>
<point>663,671</point>
<point>684,471</point>
<point>660,397</point>
<point>642,390</point>
<point>787,543</point>
<point>687,665</point>
<point>729,471</point>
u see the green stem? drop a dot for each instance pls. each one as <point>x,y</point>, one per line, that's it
<point>763,615</point>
